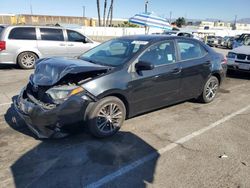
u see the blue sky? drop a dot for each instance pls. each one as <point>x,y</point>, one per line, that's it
<point>192,9</point>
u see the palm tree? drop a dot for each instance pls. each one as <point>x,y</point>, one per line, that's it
<point>110,14</point>
<point>111,7</point>
<point>104,12</point>
<point>98,11</point>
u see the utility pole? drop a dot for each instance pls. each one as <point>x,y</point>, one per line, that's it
<point>235,22</point>
<point>146,11</point>
<point>170,17</point>
<point>146,6</point>
<point>31,10</point>
<point>83,11</point>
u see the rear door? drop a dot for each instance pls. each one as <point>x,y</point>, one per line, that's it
<point>77,43</point>
<point>51,42</point>
<point>196,67</point>
<point>158,87</point>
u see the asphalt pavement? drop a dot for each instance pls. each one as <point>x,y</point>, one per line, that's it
<point>186,145</point>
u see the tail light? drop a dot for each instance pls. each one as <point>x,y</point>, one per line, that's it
<point>224,60</point>
<point>2,45</point>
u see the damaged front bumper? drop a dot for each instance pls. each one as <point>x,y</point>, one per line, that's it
<point>50,122</point>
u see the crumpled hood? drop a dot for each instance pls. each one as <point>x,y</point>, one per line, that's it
<point>242,50</point>
<point>51,70</point>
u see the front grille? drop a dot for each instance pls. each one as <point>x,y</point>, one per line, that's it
<point>248,57</point>
<point>241,56</point>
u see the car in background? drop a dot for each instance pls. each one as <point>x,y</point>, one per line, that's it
<point>23,45</point>
<point>242,40</point>
<point>116,80</point>
<point>214,41</point>
<point>227,42</point>
<point>180,34</point>
<point>238,59</point>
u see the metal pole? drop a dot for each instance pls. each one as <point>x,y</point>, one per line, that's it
<point>146,11</point>
<point>83,11</point>
<point>146,6</point>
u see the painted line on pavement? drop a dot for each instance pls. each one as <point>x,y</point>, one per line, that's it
<point>127,168</point>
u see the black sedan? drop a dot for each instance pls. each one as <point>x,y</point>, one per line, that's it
<point>118,79</point>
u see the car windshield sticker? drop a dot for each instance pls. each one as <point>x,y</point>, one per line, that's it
<point>170,57</point>
<point>140,42</point>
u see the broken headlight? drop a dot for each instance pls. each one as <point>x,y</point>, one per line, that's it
<point>61,93</point>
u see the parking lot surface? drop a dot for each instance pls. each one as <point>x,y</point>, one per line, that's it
<point>185,145</point>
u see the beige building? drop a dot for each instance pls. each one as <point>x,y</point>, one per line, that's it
<point>28,19</point>
<point>242,26</point>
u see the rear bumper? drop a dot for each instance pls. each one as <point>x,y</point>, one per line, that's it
<point>46,122</point>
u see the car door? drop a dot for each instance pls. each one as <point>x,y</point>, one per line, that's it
<point>158,87</point>
<point>195,65</point>
<point>77,43</point>
<point>51,42</point>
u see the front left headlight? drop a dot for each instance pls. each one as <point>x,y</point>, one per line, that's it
<point>231,55</point>
<point>61,93</point>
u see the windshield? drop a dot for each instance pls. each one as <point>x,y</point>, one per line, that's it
<point>114,53</point>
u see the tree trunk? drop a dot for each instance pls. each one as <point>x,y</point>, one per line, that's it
<point>104,12</point>
<point>98,11</point>
<point>111,14</point>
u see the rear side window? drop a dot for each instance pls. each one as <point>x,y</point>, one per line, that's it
<point>51,34</point>
<point>191,50</point>
<point>74,36</point>
<point>23,33</point>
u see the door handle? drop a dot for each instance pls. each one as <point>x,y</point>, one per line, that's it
<point>62,44</point>
<point>176,71</point>
<point>71,45</point>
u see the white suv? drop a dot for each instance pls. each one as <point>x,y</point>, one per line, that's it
<point>25,44</point>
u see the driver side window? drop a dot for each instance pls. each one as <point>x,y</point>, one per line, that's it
<point>160,54</point>
<point>74,36</point>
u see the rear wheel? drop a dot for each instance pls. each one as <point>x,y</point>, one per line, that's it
<point>210,90</point>
<point>106,117</point>
<point>26,60</point>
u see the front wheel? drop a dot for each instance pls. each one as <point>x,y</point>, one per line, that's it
<point>106,117</point>
<point>210,90</point>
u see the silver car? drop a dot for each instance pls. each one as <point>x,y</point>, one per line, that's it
<point>25,44</point>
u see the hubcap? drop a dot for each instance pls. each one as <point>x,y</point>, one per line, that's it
<point>109,118</point>
<point>211,89</point>
<point>28,60</point>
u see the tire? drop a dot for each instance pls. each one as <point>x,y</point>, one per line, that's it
<point>100,123</point>
<point>210,90</point>
<point>26,60</point>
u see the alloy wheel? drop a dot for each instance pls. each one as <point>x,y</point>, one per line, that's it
<point>109,118</point>
<point>211,89</point>
<point>28,60</point>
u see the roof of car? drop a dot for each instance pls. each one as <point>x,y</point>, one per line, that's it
<point>150,38</point>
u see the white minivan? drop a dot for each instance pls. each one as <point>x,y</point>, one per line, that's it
<point>23,45</point>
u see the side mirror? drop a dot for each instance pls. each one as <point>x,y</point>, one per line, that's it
<point>142,65</point>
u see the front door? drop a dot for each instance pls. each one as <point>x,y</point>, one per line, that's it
<point>77,43</point>
<point>155,88</point>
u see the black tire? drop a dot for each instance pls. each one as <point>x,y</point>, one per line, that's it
<point>210,90</point>
<point>26,60</point>
<point>100,123</point>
